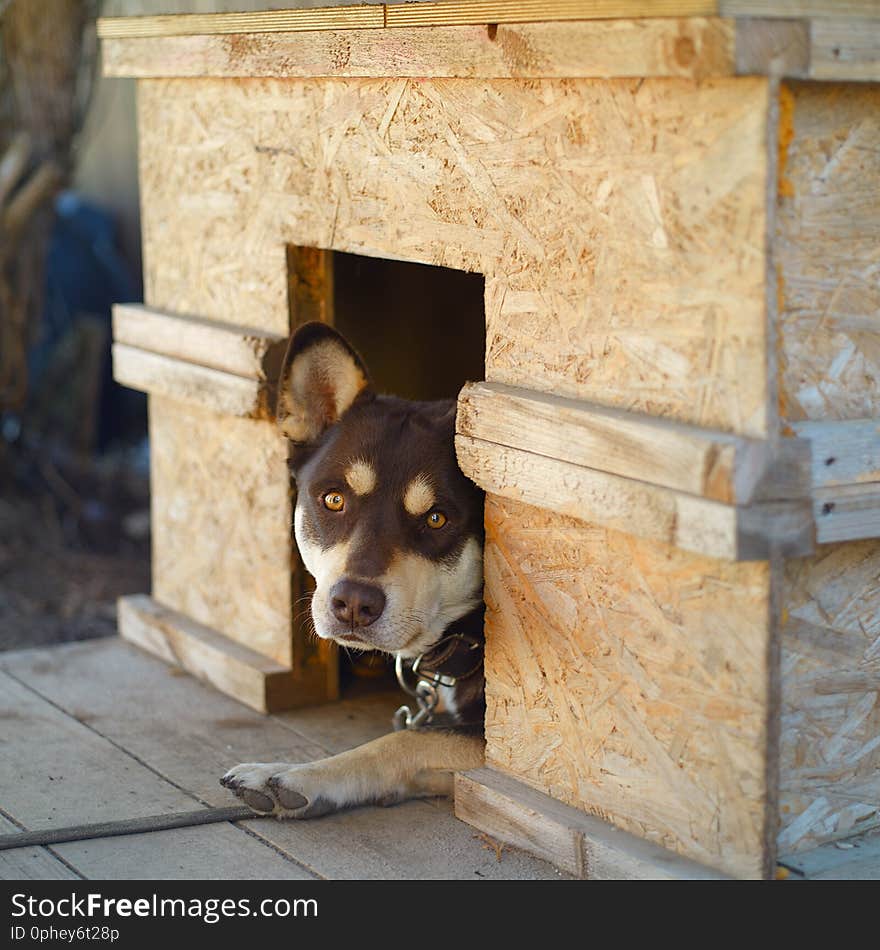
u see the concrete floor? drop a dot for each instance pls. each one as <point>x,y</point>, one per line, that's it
<point>98,731</point>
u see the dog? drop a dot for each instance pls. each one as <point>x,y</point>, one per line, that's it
<point>392,533</point>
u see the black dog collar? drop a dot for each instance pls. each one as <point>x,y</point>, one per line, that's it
<point>457,656</point>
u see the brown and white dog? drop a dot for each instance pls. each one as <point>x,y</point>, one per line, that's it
<point>391,531</point>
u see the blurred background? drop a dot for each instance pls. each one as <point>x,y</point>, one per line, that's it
<point>74,454</point>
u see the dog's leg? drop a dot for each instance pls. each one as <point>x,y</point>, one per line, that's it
<point>387,770</point>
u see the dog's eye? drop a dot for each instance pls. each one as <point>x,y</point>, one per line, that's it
<point>334,501</point>
<point>436,519</point>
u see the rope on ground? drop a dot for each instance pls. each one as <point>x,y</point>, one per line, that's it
<point>128,826</point>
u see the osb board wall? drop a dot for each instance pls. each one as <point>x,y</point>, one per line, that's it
<point>830,743</point>
<point>826,249</point>
<point>620,223</point>
<point>828,270</point>
<point>221,517</point>
<point>632,680</point>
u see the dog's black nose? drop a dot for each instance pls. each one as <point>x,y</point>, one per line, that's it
<point>356,604</point>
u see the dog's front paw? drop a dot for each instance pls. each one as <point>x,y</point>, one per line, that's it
<point>248,782</point>
<point>289,791</point>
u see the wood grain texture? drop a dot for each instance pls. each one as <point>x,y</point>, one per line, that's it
<point>844,453</point>
<point>845,49</point>
<point>648,511</point>
<point>512,11</point>
<point>694,47</point>
<point>847,512</point>
<point>833,9</point>
<point>634,681</point>
<point>830,749</point>
<point>221,519</point>
<point>555,191</point>
<point>583,845</point>
<point>827,235</point>
<point>236,670</point>
<point>225,347</point>
<point>689,459</point>
<point>190,383</point>
<point>354,17</point>
<point>772,47</point>
<point>376,16</point>
<point>826,248</point>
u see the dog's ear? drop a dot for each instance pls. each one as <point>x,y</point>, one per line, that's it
<point>320,378</point>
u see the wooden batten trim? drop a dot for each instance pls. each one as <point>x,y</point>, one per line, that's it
<point>579,844</point>
<point>846,49</point>
<point>461,12</point>
<point>360,17</point>
<point>244,674</point>
<point>224,393</point>
<point>844,452</point>
<point>686,458</point>
<point>773,48</point>
<point>253,354</point>
<point>686,48</point>
<point>847,513</point>
<point>378,16</point>
<point>650,511</point>
<point>837,9</point>
<point>845,476</point>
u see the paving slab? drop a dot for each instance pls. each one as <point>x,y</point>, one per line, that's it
<point>856,859</point>
<point>186,734</point>
<point>414,840</point>
<point>31,864</point>
<point>220,852</point>
<point>182,726</point>
<point>59,772</point>
<point>56,772</point>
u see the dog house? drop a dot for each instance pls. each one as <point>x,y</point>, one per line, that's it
<point>675,208</point>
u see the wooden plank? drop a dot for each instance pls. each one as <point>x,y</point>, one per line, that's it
<point>634,681</point>
<point>213,389</point>
<point>31,864</point>
<point>583,845</point>
<point>844,453</point>
<point>355,17</point>
<point>694,47</point>
<point>772,47</point>
<point>625,504</point>
<point>310,296</point>
<point>847,512</point>
<point>702,462</point>
<point>834,9</point>
<point>830,741</point>
<point>514,11</point>
<point>846,49</point>
<point>220,346</point>
<point>429,172</point>
<point>825,249</point>
<point>376,16</point>
<point>244,674</point>
<point>221,525</point>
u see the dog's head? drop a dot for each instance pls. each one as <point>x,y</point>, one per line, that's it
<point>385,521</point>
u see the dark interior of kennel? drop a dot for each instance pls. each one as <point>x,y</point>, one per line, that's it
<point>421,332</point>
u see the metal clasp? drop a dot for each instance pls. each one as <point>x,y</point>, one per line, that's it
<point>426,696</point>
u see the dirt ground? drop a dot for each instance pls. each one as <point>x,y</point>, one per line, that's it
<point>70,544</point>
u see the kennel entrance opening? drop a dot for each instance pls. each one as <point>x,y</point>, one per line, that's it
<point>421,332</point>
